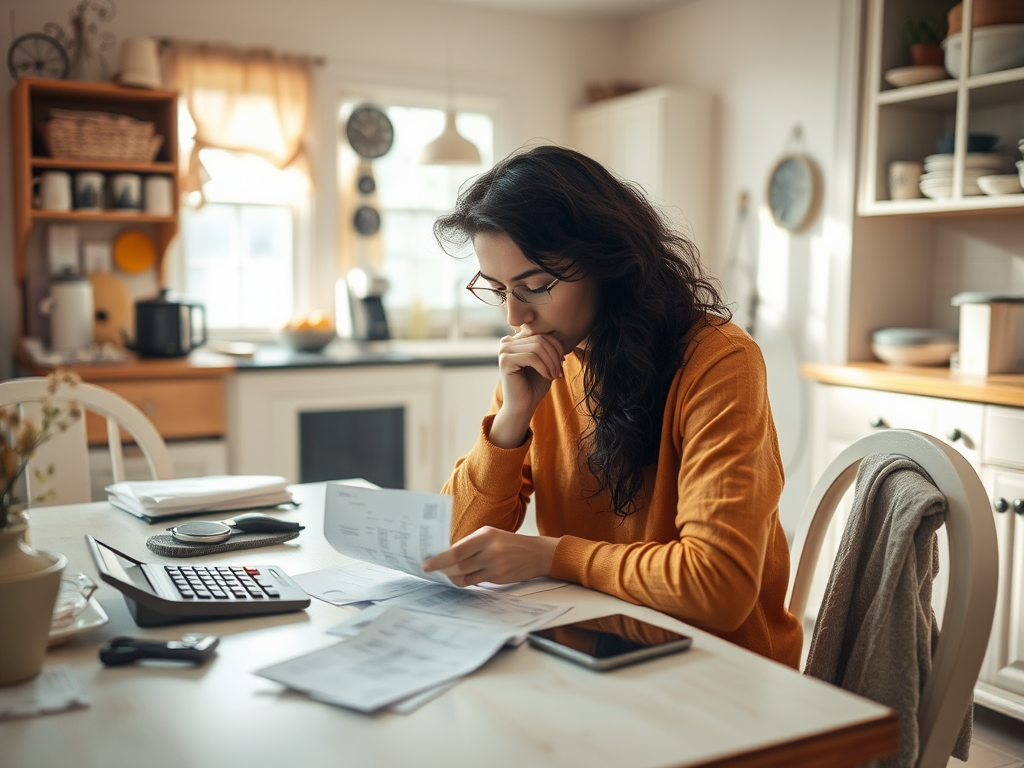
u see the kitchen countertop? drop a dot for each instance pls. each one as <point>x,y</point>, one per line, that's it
<point>339,353</point>
<point>345,352</point>
<point>997,389</point>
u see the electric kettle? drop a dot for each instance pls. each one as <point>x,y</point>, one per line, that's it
<point>166,328</point>
<point>69,306</point>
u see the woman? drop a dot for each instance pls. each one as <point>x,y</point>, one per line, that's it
<point>628,405</point>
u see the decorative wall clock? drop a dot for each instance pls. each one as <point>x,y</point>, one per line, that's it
<point>369,131</point>
<point>794,189</point>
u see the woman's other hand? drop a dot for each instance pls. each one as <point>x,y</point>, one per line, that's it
<point>494,555</point>
<point>527,364</point>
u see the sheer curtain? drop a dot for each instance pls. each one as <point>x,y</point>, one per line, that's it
<point>242,100</point>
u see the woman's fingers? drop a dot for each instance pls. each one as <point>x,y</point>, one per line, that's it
<point>540,352</point>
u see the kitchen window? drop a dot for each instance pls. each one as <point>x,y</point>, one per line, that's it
<point>423,279</point>
<point>242,250</point>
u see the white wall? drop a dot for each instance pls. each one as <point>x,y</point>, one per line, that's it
<point>534,67</point>
<point>771,64</point>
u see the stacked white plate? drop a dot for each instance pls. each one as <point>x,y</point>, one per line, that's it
<point>937,180</point>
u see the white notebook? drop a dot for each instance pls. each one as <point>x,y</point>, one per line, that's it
<point>157,499</point>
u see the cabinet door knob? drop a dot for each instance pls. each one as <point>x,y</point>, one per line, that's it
<point>1001,504</point>
<point>1018,506</point>
<point>954,434</point>
<point>879,423</point>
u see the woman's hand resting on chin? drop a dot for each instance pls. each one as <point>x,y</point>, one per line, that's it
<point>494,555</point>
<point>527,364</point>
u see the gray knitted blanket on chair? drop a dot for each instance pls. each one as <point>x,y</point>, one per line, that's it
<point>876,631</point>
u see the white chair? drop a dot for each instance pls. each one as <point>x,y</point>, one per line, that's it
<point>973,573</point>
<point>68,452</point>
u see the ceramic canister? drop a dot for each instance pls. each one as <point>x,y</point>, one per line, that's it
<point>54,190</point>
<point>159,195</point>
<point>126,190</point>
<point>89,191</point>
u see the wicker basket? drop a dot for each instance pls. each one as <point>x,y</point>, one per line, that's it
<point>76,135</point>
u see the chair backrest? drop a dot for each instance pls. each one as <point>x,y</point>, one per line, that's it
<point>68,452</point>
<point>973,573</point>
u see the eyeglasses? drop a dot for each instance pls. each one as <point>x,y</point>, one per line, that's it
<point>496,298</point>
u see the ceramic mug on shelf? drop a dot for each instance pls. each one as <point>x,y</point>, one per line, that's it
<point>159,195</point>
<point>126,191</point>
<point>89,191</point>
<point>905,179</point>
<point>54,191</point>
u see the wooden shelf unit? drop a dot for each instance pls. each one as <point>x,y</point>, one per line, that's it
<point>903,123</point>
<point>31,102</point>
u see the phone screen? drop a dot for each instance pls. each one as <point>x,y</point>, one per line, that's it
<point>609,637</point>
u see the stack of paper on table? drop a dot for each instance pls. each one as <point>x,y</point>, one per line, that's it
<point>157,499</point>
<point>423,633</point>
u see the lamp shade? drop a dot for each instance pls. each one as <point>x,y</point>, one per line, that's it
<point>450,147</point>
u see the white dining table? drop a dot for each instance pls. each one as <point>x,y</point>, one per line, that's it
<point>714,705</point>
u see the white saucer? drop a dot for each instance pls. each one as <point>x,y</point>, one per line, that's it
<point>944,192</point>
<point>91,617</point>
<point>983,160</point>
<point>904,76</point>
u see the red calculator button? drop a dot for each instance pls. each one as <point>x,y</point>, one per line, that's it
<point>253,571</point>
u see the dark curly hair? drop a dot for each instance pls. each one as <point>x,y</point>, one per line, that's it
<point>572,217</point>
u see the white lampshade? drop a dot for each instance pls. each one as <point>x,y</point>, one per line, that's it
<point>450,147</point>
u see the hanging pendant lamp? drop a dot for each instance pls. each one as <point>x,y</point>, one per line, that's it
<point>450,147</point>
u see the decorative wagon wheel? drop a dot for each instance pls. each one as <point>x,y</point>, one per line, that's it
<point>37,55</point>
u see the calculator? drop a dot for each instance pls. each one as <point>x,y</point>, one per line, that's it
<point>159,594</point>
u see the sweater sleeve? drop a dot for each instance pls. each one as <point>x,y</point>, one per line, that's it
<point>491,485</point>
<point>729,481</point>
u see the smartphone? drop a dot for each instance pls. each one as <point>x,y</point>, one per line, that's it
<point>609,641</point>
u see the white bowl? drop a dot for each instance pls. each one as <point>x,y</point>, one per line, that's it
<point>1000,184</point>
<point>307,341</point>
<point>1000,46</point>
<point>1020,171</point>
<point>933,353</point>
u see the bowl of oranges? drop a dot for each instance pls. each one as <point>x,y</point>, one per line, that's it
<point>309,332</point>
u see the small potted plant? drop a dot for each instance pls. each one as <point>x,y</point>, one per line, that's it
<point>923,41</point>
<point>29,580</point>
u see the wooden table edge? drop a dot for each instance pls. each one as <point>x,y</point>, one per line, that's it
<point>849,746</point>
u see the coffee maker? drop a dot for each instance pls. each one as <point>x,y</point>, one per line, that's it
<point>359,306</point>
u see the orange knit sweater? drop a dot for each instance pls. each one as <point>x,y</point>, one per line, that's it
<point>706,545</point>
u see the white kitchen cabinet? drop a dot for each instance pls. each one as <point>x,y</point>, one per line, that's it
<point>438,408</point>
<point>464,396</point>
<point>843,415</point>
<point>990,437</point>
<point>266,411</point>
<point>1002,676</point>
<point>659,138</point>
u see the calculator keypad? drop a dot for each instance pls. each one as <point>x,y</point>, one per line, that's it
<point>236,582</point>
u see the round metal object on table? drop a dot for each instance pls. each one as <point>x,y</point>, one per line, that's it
<point>201,532</point>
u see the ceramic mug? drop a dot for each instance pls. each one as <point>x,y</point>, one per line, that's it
<point>54,190</point>
<point>126,191</point>
<point>905,180</point>
<point>89,191</point>
<point>159,195</point>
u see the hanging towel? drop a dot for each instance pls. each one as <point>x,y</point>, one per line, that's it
<point>876,630</point>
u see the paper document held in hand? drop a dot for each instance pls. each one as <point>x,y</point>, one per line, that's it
<point>393,528</point>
